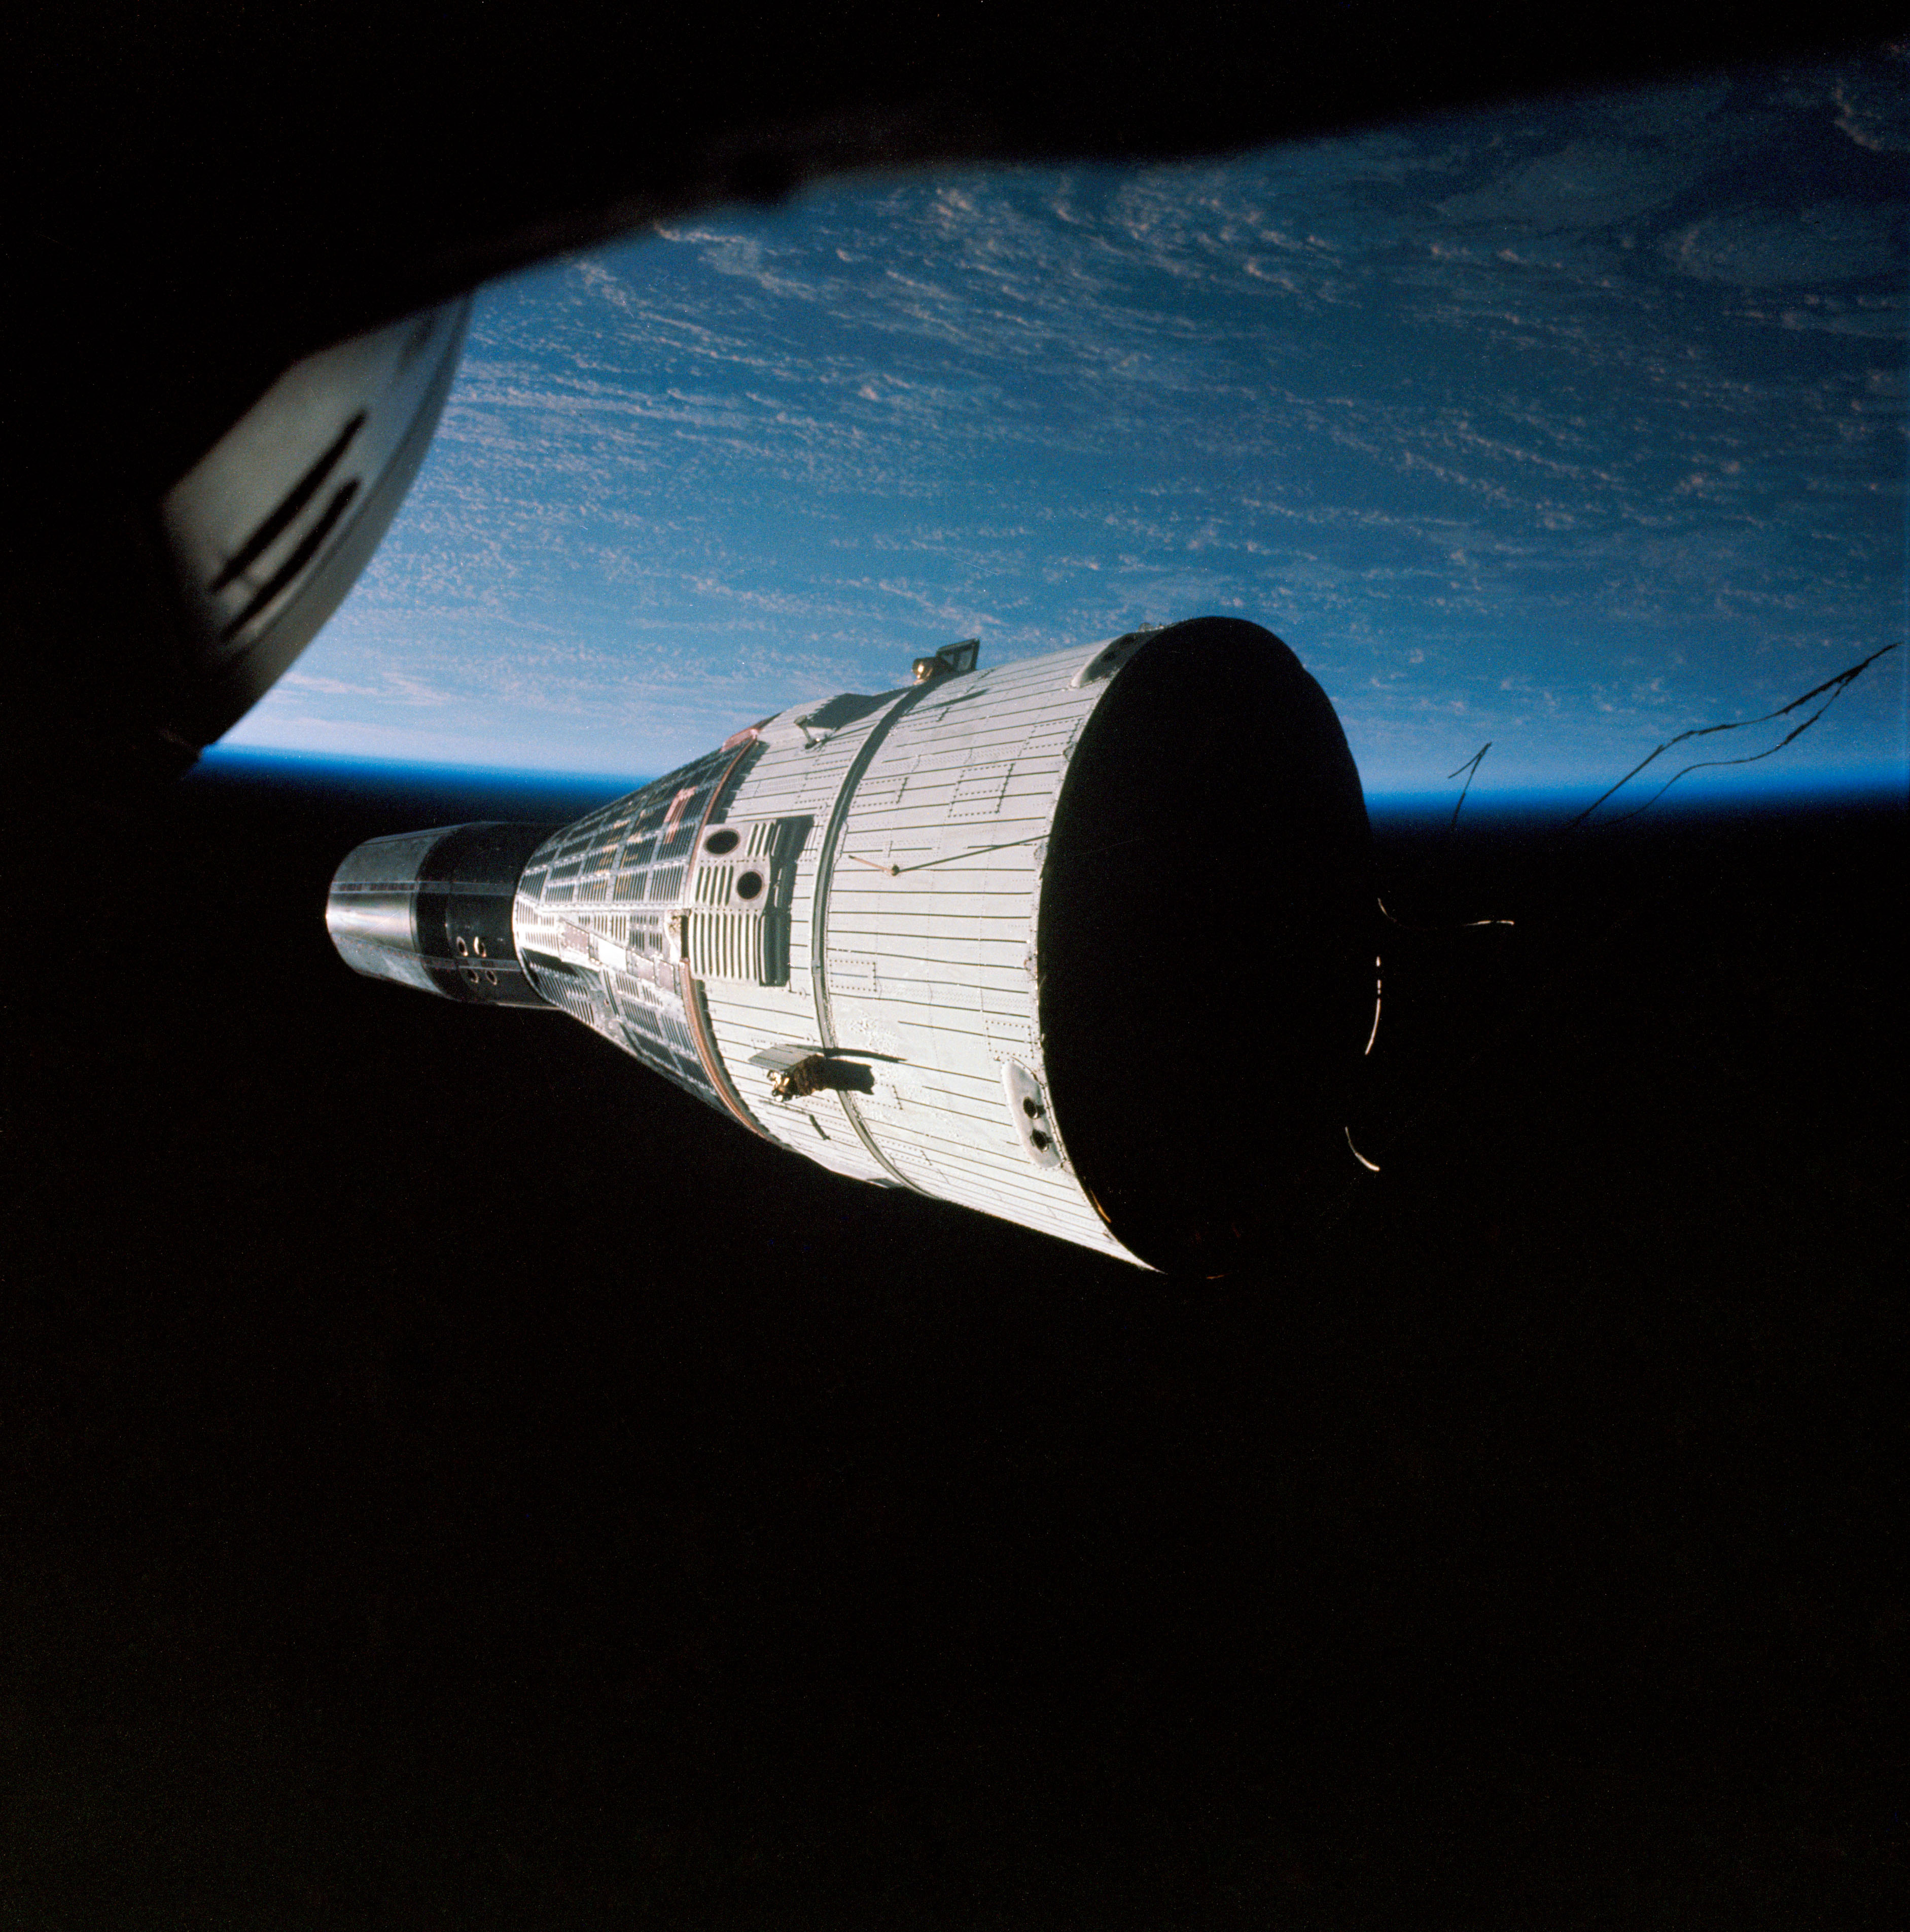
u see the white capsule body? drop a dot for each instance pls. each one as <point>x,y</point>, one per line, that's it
<point>829,929</point>
<point>1083,942</point>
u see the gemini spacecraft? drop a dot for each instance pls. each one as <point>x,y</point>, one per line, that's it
<point>1083,941</point>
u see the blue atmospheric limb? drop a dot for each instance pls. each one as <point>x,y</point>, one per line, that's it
<point>1571,425</point>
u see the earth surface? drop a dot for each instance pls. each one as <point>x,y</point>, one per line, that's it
<point>1567,426</point>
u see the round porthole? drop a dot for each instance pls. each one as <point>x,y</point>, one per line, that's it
<point>720,842</point>
<point>749,886</point>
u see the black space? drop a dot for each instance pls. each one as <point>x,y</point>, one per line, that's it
<point>448,1478</point>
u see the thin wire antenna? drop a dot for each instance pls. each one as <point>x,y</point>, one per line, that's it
<point>947,858</point>
<point>1470,768</point>
<point>1459,925</point>
<point>1829,691</point>
<point>1836,686</point>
